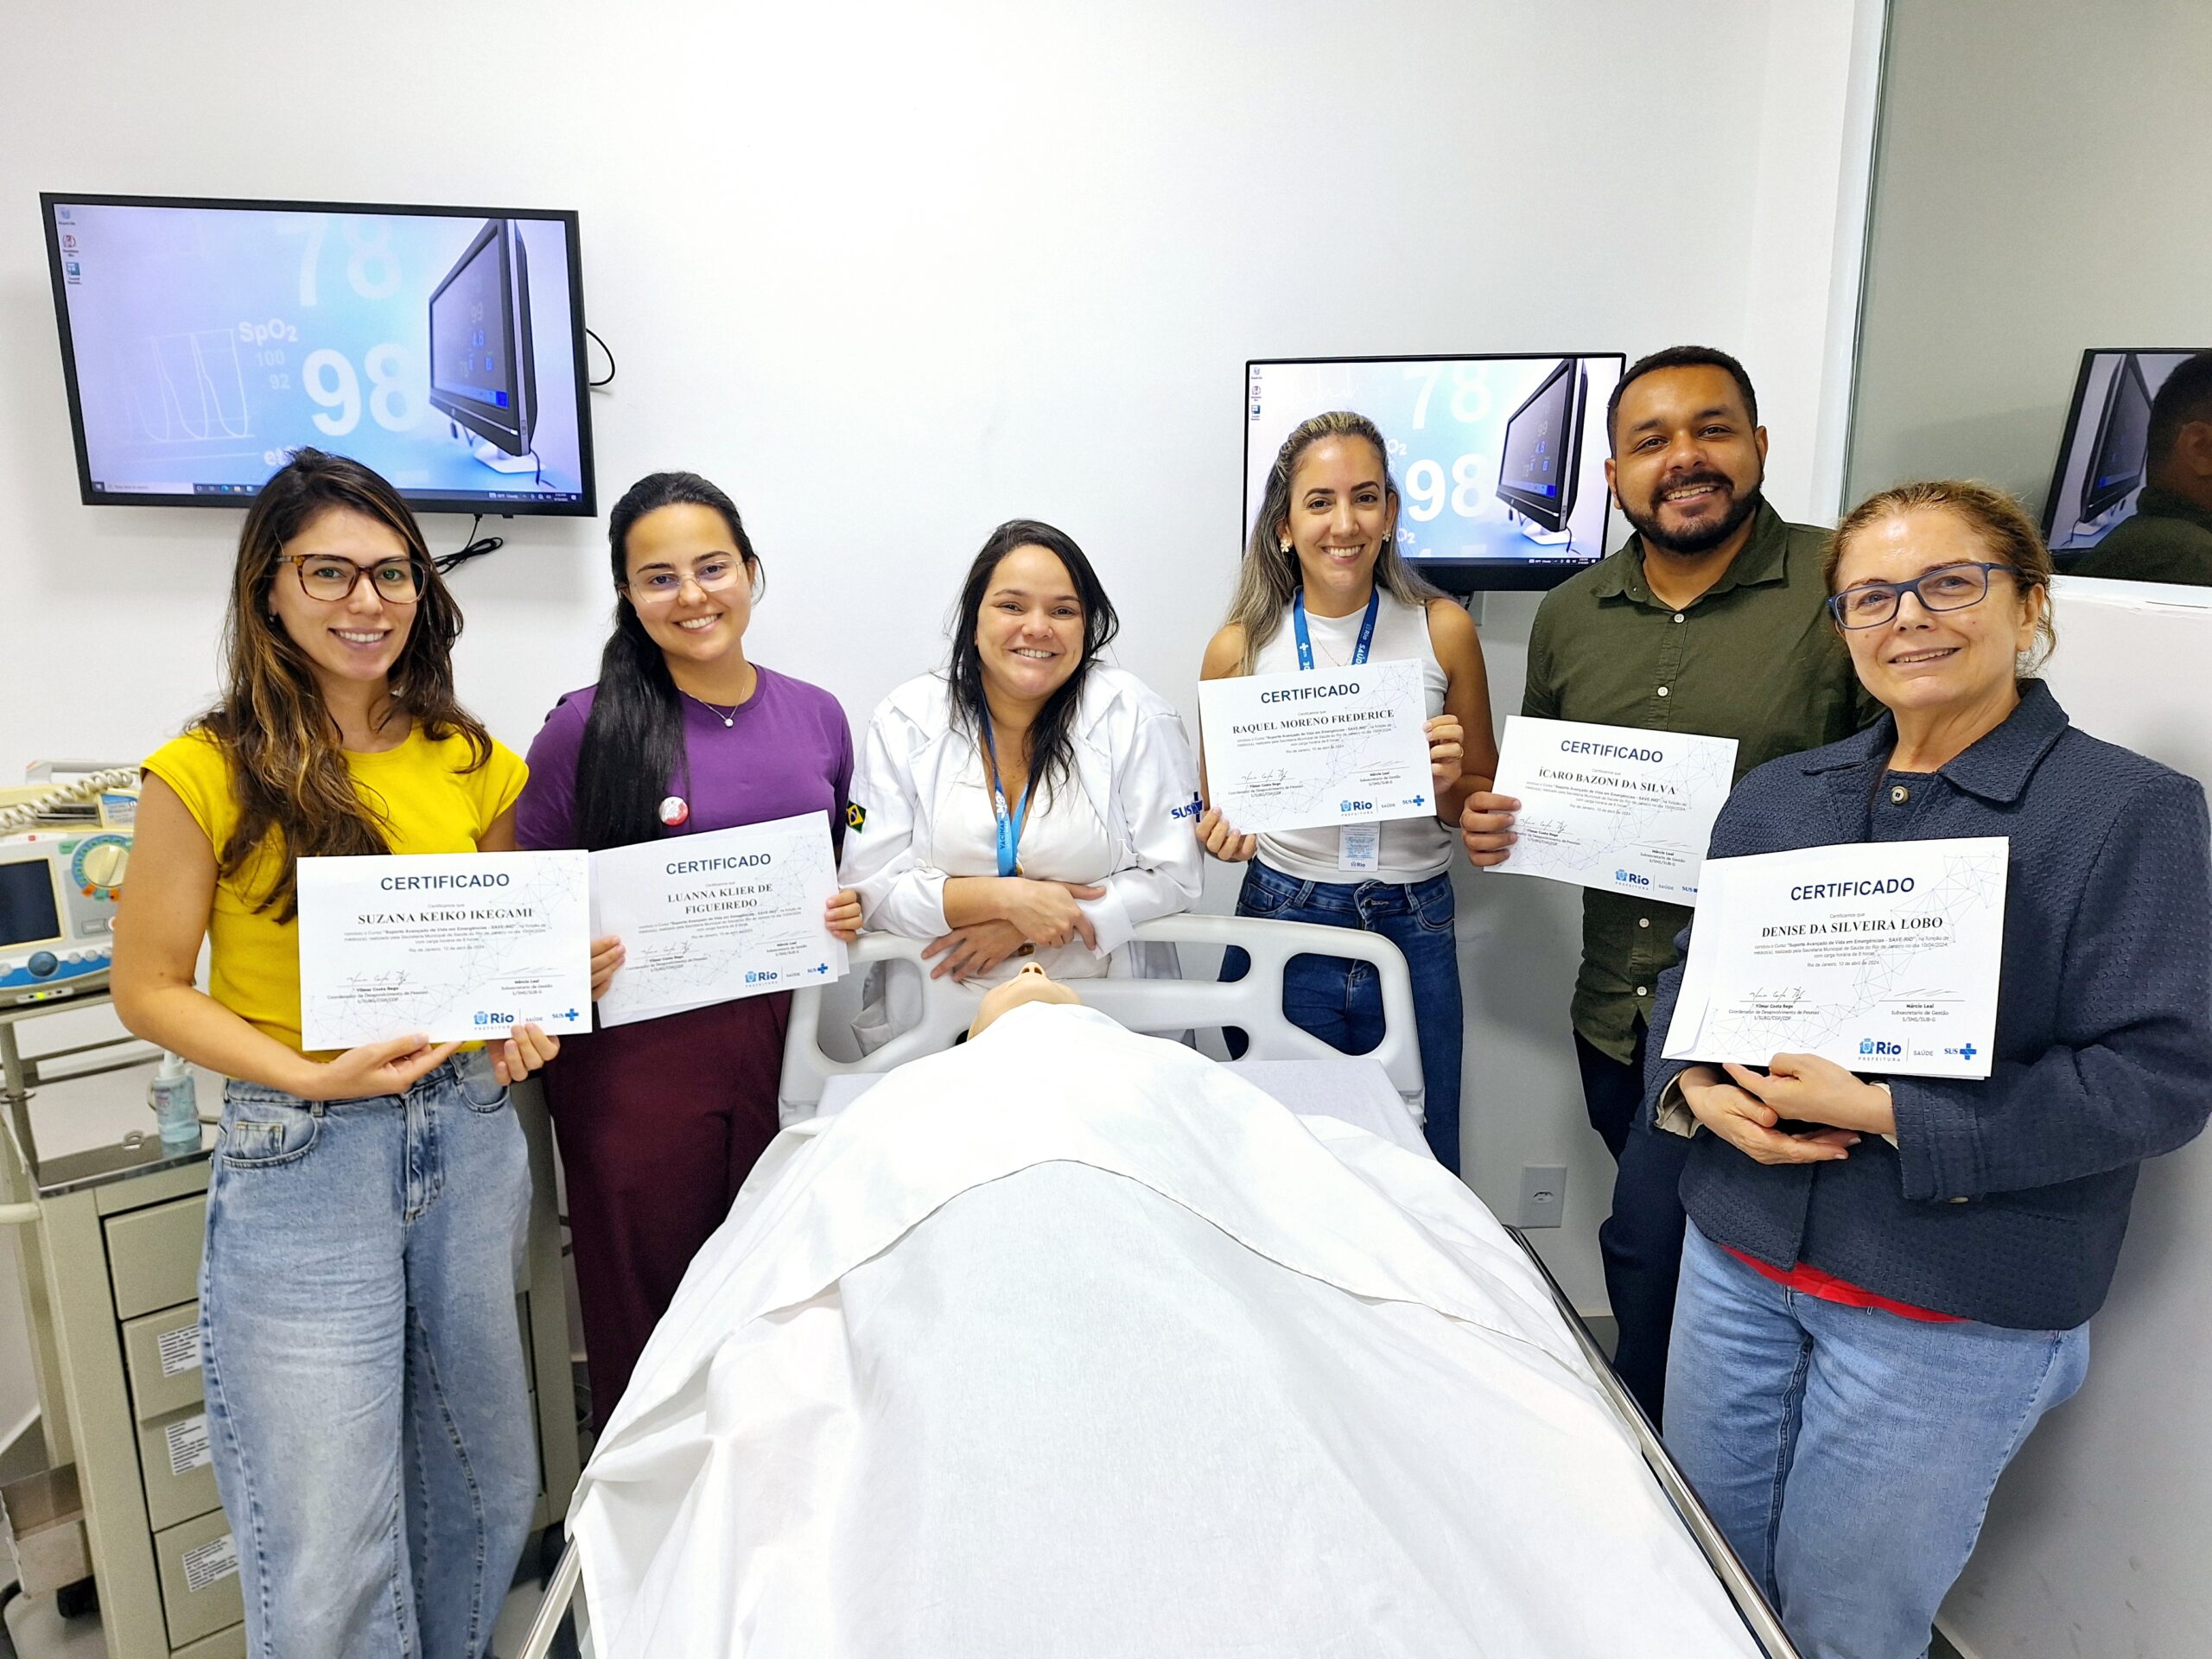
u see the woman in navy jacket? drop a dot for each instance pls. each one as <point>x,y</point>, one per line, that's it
<point>1885,1284</point>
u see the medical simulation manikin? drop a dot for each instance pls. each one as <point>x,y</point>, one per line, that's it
<point>1072,1341</point>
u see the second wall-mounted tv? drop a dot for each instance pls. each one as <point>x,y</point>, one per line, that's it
<point>1500,459</point>
<point>2103,458</point>
<point>203,338</point>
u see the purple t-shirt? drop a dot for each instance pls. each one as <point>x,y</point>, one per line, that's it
<point>789,751</point>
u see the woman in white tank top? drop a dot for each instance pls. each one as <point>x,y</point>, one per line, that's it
<point>1323,555</point>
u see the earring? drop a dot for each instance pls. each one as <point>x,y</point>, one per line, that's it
<point>1284,544</point>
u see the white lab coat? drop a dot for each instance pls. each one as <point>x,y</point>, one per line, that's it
<point>1131,758</point>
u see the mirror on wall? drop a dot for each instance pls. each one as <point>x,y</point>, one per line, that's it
<point>2037,263</point>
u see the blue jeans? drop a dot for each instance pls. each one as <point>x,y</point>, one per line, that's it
<point>368,1408</point>
<point>1340,1000</point>
<point>1849,1453</point>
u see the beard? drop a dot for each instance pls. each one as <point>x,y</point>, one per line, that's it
<point>1706,538</point>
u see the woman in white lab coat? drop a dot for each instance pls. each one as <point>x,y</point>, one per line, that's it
<point>1028,801</point>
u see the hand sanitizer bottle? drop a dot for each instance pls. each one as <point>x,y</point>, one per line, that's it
<point>176,1106</point>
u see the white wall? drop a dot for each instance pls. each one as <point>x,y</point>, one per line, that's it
<point>2100,1528</point>
<point>893,273</point>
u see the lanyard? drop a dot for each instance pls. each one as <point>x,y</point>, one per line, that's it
<point>1305,644</point>
<point>1009,828</point>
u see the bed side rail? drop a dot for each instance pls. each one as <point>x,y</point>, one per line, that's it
<point>1752,1604</point>
<point>1163,1006</point>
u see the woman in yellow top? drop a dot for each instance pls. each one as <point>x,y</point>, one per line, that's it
<point>366,1401</point>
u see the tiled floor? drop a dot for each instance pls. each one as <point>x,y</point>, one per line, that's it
<point>40,1632</point>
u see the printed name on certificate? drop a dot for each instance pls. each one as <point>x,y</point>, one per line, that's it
<point>713,917</point>
<point>455,945</point>
<point>1305,751</point>
<point>1879,956</point>
<point>1613,807</point>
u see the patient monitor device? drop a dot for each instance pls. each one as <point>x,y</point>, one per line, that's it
<point>63,851</point>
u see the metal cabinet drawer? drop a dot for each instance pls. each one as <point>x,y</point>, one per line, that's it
<point>174,1458</point>
<point>161,1351</point>
<point>152,1256</point>
<point>198,1562</point>
<point>225,1644</point>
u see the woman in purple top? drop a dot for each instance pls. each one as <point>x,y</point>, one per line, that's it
<point>659,1122</point>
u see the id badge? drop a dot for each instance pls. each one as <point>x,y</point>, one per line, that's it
<point>1359,846</point>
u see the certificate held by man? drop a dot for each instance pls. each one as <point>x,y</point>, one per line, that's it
<point>457,946</point>
<point>1879,955</point>
<point>712,917</point>
<point>1301,751</point>
<point>1613,807</point>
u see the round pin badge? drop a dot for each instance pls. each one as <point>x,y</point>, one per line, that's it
<point>675,812</point>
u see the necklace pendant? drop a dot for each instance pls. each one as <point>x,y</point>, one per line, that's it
<point>728,721</point>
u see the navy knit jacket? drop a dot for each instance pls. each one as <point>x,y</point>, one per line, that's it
<point>2006,1199</point>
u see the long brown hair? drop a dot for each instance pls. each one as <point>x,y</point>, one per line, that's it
<point>1269,575</point>
<point>295,798</point>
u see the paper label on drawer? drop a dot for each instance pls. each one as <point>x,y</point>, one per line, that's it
<point>188,1444</point>
<point>179,1349</point>
<point>205,1564</point>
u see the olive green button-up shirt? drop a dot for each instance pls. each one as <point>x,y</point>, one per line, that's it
<point>1753,657</point>
<point>2167,539</point>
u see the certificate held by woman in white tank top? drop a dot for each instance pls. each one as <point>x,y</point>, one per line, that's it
<point>1323,749</point>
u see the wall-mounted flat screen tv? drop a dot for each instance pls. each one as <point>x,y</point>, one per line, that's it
<point>2101,458</point>
<point>1500,461</point>
<point>203,339</point>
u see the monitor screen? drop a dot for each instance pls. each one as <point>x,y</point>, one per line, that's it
<point>2116,459</point>
<point>1531,474</point>
<point>27,913</point>
<point>2103,459</point>
<point>202,341</point>
<point>1500,461</point>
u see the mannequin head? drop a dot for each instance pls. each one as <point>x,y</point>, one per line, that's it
<point>1032,984</point>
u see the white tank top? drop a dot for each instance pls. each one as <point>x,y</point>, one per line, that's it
<point>1063,839</point>
<point>1413,850</point>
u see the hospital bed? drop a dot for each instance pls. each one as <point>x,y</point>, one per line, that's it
<point>1380,1091</point>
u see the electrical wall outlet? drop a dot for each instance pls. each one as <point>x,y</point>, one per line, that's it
<point>1543,1195</point>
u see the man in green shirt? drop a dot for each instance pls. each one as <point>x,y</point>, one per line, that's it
<point>2169,537</point>
<point>1711,619</point>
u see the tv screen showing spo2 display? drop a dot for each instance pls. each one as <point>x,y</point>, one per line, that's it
<point>203,339</point>
<point>1500,461</point>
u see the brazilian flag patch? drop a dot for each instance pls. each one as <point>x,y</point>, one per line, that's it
<point>856,815</point>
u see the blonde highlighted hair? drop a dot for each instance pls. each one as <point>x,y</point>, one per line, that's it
<point>1997,520</point>
<point>1269,575</point>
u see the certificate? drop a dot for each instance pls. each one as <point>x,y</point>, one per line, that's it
<point>456,945</point>
<point>1611,807</point>
<point>1879,956</point>
<point>1301,751</point>
<point>715,917</point>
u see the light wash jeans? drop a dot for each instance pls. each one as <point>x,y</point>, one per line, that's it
<point>1340,999</point>
<point>1849,1453</point>
<point>368,1404</point>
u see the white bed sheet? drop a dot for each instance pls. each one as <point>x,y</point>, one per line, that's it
<point>1349,1088</point>
<point>1072,1342</point>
